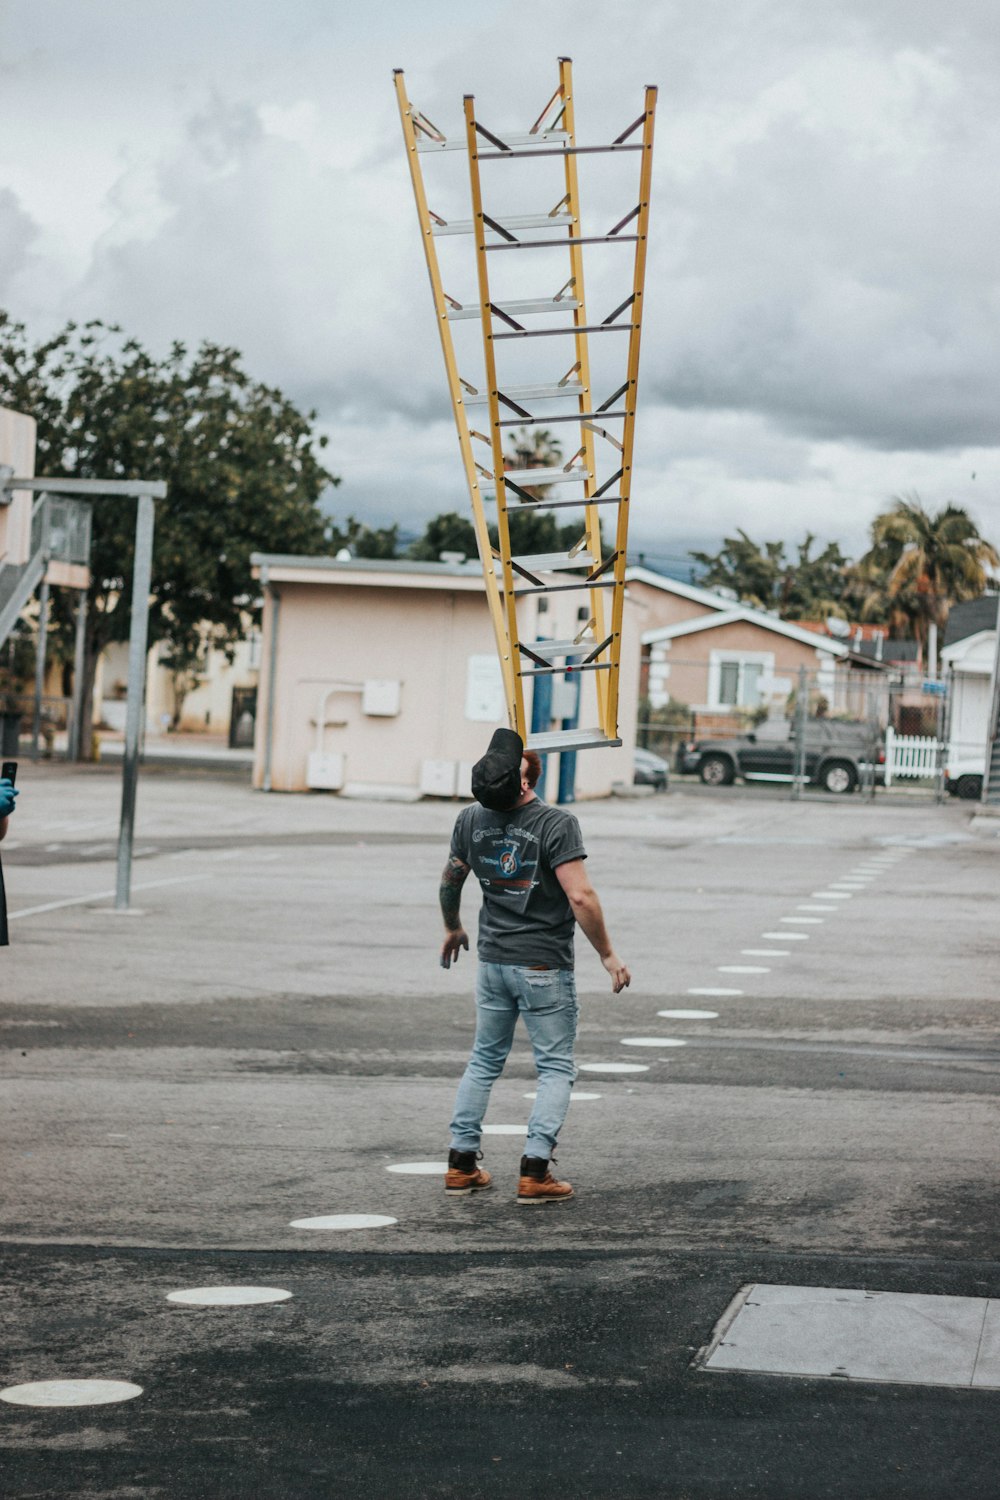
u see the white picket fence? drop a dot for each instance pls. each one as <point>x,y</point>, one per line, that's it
<point>910,755</point>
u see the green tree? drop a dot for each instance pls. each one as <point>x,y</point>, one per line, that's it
<point>806,587</point>
<point>362,540</point>
<point>449,532</point>
<point>239,459</point>
<point>928,561</point>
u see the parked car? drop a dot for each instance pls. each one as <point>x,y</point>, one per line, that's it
<point>838,755</point>
<point>651,770</point>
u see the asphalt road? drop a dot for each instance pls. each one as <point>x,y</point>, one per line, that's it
<point>272,1032</point>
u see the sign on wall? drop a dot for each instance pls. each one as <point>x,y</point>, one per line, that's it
<point>484,696</point>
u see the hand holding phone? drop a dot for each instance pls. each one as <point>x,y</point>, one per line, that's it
<point>8,792</point>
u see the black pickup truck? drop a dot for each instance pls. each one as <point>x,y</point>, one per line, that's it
<point>839,755</point>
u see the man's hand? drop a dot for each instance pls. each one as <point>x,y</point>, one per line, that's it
<point>452,946</point>
<point>620,976</point>
<point>8,796</point>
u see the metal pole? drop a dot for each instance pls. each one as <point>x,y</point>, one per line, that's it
<point>43,630</point>
<point>801,708</point>
<point>76,728</point>
<point>138,632</point>
<point>272,677</point>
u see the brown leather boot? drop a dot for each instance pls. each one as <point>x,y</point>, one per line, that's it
<point>537,1184</point>
<point>463,1176</point>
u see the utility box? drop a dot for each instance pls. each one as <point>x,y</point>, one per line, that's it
<point>325,771</point>
<point>380,698</point>
<point>437,778</point>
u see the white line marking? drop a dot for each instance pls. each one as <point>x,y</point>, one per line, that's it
<point>144,885</point>
<point>689,1015</point>
<point>832,895</point>
<point>817,908</point>
<point>70,1393</point>
<point>652,1041</point>
<point>765,952</point>
<point>346,1221</point>
<point>786,937</point>
<point>804,921</point>
<point>710,990</point>
<point>229,1296</point>
<point>743,969</point>
<point>614,1067</point>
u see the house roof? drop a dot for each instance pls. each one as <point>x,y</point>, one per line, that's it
<point>682,590</point>
<point>737,614</point>
<point>371,572</point>
<point>970,617</point>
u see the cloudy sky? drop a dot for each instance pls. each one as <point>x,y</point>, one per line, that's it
<point>823,295</point>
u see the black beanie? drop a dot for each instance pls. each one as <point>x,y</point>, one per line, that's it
<point>496,779</point>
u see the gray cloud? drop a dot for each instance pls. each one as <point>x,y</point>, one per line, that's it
<point>822,291</point>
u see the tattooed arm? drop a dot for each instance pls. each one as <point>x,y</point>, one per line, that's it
<point>450,896</point>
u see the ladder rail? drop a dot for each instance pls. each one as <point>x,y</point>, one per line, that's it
<point>495,433</point>
<point>628,430</point>
<point>592,515</point>
<point>505,650</point>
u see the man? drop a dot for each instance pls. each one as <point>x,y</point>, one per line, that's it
<point>8,797</point>
<point>528,858</point>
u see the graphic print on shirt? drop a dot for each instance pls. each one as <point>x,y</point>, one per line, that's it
<point>505,860</point>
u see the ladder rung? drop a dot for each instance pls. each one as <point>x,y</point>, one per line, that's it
<point>541,333</point>
<point>530,393</point>
<point>570,739</point>
<point>566,588</point>
<point>514,138</point>
<point>510,221</point>
<point>560,648</point>
<point>591,239</point>
<point>532,477</point>
<point>536,305</point>
<point>583,666</point>
<point>551,562</point>
<point>564,504</point>
<point>559,151</point>
<point>577,416</point>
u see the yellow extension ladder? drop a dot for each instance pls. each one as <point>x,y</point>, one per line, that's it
<point>597,646</point>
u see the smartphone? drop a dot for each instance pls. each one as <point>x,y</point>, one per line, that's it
<point>8,771</point>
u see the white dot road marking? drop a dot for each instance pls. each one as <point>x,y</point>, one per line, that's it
<point>832,895</point>
<point>614,1067</point>
<point>505,1130</point>
<point>765,952</point>
<point>786,937</point>
<point>816,908</point>
<point>348,1221</point>
<point>229,1296</point>
<point>743,969</point>
<point>804,921</point>
<point>652,1041</point>
<point>689,1015</point>
<point>418,1168</point>
<point>847,885</point>
<point>575,1097</point>
<point>714,990</point>
<point>70,1393</point>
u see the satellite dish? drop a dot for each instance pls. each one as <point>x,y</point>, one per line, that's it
<point>837,627</point>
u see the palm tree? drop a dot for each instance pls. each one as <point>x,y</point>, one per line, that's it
<point>533,448</point>
<point>928,562</point>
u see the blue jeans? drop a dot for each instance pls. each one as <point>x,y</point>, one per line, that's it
<point>546,998</point>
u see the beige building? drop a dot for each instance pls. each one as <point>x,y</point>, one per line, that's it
<point>717,656</point>
<point>381,678</point>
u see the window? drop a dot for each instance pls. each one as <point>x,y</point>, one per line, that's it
<point>734,678</point>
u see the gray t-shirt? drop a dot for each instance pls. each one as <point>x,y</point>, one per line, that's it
<point>526,918</point>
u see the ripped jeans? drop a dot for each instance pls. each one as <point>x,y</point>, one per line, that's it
<point>546,998</point>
